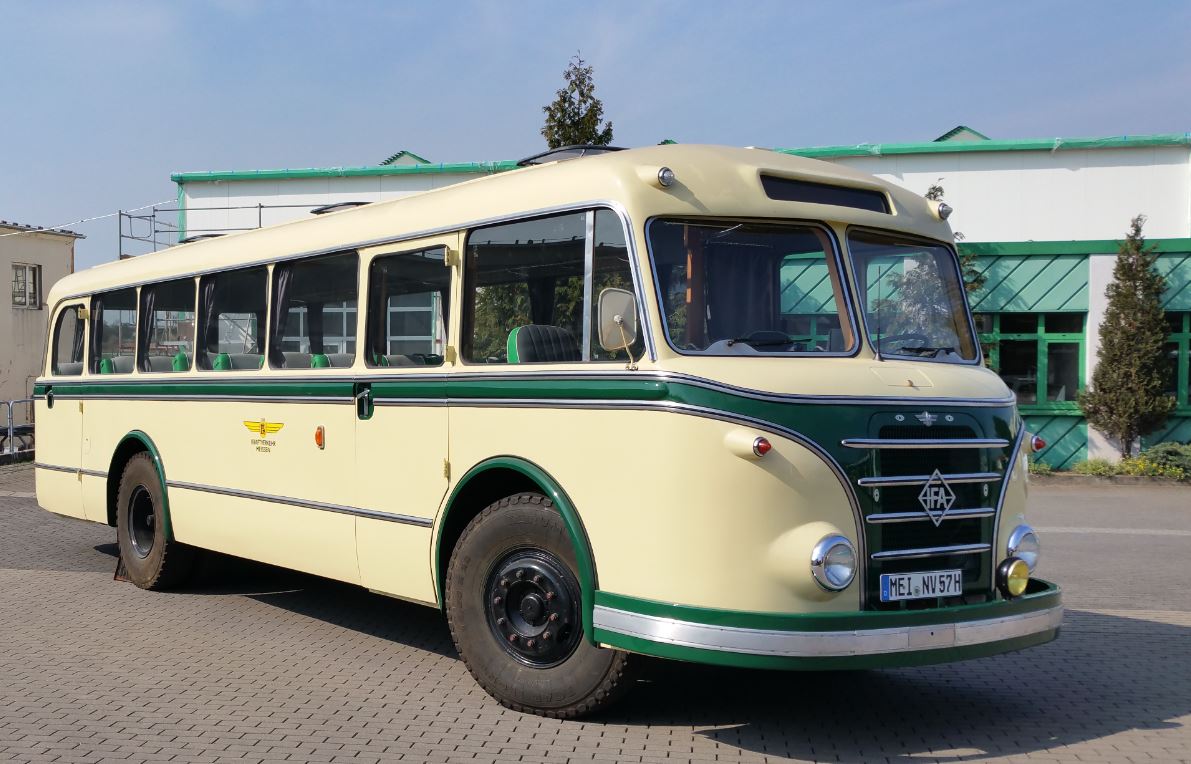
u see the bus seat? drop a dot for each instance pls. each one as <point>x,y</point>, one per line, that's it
<point>296,360</point>
<point>180,361</point>
<point>237,361</point>
<point>161,363</point>
<point>340,360</point>
<point>119,364</point>
<point>541,343</point>
<point>70,369</point>
<point>220,361</point>
<point>399,360</point>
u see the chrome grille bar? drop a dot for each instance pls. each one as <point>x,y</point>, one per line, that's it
<point>908,443</point>
<point>959,477</point>
<point>931,551</point>
<point>913,517</point>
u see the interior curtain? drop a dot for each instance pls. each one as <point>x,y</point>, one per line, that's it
<point>148,327</point>
<point>79,338</point>
<point>283,278</point>
<point>208,327</point>
<point>96,332</point>
<point>314,326</point>
<point>742,297</point>
<point>541,300</point>
<point>378,313</point>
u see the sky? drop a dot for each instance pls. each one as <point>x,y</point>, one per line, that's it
<point>103,100</point>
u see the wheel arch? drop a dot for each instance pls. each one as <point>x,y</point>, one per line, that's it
<point>130,445</point>
<point>492,480</point>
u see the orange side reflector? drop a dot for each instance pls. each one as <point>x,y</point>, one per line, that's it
<point>320,437</point>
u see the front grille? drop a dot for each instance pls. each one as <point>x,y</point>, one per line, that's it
<point>900,523</point>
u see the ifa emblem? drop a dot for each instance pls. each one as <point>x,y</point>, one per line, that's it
<point>936,498</point>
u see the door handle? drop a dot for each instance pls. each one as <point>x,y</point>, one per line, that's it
<point>364,403</point>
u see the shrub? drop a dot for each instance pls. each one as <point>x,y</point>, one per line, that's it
<point>1040,468</point>
<point>1171,455</point>
<point>1145,467</point>
<point>1097,467</point>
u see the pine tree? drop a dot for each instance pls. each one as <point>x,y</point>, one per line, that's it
<point>1126,398</point>
<point>574,115</point>
<point>974,278</point>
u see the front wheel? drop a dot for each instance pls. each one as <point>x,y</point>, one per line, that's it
<point>151,559</point>
<point>514,607</point>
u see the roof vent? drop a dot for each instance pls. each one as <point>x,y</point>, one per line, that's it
<point>199,237</point>
<point>337,207</point>
<point>567,152</point>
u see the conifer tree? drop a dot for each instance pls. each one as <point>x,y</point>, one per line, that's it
<point>1126,398</point>
<point>574,115</point>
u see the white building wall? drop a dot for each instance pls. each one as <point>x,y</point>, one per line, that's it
<point>1051,195</point>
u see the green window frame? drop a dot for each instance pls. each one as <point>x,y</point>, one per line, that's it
<point>992,336</point>
<point>1180,337</point>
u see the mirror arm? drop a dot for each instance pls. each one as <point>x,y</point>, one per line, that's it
<point>619,321</point>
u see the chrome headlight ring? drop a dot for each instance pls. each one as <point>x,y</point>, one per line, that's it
<point>833,562</point>
<point>1024,545</point>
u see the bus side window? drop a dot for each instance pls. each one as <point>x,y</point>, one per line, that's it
<point>113,332</point>
<point>68,343</point>
<point>314,313</point>
<point>166,341</point>
<point>231,329</point>
<point>523,291</point>
<point>408,309</point>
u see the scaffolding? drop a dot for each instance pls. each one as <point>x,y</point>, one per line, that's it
<point>158,227</point>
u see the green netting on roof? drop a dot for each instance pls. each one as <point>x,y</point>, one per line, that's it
<point>1032,283</point>
<point>1177,270</point>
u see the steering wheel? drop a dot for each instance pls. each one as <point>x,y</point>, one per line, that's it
<point>922,339</point>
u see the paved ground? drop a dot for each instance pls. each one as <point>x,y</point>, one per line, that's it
<point>257,664</point>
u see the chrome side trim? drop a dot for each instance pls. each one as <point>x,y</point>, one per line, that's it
<point>424,522</point>
<point>931,551</point>
<point>71,470</point>
<point>825,644</point>
<point>380,374</point>
<point>960,477</point>
<point>913,517</point>
<point>909,443</point>
<point>1009,468</point>
<point>227,398</point>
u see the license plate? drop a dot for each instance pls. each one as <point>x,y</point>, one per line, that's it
<point>917,586</point>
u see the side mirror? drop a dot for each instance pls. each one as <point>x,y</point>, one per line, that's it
<point>617,319</point>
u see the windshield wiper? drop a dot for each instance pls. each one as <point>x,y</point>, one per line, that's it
<point>923,350</point>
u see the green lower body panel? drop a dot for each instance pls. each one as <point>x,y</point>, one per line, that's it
<point>826,641</point>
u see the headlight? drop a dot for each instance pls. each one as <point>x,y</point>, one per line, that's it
<point>1023,544</point>
<point>833,562</point>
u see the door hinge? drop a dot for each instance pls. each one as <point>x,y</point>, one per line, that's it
<point>446,469</point>
<point>80,407</point>
<point>450,257</point>
<point>78,475</point>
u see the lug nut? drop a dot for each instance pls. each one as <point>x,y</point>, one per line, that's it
<point>530,643</point>
<point>549,595</point>
<point>500,621</point>
<point>554,616</point>
<point>497,600</point>
<point>504,583</point>
<point>545,635</point>
<point>520,574</point>
<point>512,637</point>
<point>537,579</point>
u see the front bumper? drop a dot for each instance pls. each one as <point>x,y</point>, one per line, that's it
<point>829,640</point>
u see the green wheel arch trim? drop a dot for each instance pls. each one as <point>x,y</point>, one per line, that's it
<point>151,447</point>
<point>570,517</point>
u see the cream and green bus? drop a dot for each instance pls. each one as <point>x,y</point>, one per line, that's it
<point>700,403</point>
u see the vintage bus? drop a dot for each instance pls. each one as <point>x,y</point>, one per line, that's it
<point>711,404</point>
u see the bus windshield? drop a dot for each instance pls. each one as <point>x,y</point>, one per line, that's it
<point>749,288</point>
<point>912,298</point>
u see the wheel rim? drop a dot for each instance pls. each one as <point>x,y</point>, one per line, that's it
<point>142,521</point>
<point>532,603</point>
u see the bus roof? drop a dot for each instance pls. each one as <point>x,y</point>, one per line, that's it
<point>710,181</point>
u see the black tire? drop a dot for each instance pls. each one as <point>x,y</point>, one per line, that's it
<point>151,560</point>
<point>528,651</point>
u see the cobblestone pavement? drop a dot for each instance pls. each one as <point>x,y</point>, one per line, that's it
<point>258,664</point>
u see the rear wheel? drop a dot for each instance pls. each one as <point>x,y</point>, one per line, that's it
<point>151,559</point>
<point>514,607</point>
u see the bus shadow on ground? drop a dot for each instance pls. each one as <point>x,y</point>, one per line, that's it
<point>1105,675</point>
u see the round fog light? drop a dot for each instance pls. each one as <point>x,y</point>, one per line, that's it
<point>1012,577</point>
<point>833,562</point>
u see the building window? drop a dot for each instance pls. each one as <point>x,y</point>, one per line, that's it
<point>1178,353</point>
<point>26,286</point>
<point>1039,355</point>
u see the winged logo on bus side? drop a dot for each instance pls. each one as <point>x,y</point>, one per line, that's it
<point>262,427</point>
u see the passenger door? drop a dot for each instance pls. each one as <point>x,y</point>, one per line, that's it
<point>59,416</point>
<point>402,471</point>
